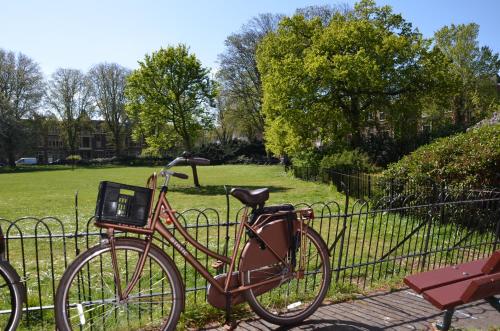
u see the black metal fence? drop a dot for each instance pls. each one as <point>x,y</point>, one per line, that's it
<point>373,186</point>
<point>370,243</point>
<point>359,184</point>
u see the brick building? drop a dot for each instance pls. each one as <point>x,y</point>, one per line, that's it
<point>93,143</point>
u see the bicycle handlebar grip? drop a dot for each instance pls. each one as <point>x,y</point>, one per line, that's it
<point>180,175</point>
<point>199,161</point>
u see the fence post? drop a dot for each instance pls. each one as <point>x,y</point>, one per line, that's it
<point>497,231</point>
<point>77,249</point>
<point>369,186</point>
<point>344,228</point>
<point>429,230</point>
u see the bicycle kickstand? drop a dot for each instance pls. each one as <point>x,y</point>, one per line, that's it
<point>229,324</point>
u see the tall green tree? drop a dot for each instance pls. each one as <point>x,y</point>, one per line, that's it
<point>108,90</point>
<point>69,95</point>
<point>321,82</point>
<point>473,71</point>
<point>239,77</point>
<point>21,90</point>
<point>169,98</point>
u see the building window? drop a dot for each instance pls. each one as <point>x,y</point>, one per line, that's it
<point>381,116</point>
<point>85,142</point>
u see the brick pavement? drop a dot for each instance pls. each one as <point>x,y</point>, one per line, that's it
<point>399,310</point>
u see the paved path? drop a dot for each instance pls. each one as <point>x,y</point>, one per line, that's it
<point>400,310</point>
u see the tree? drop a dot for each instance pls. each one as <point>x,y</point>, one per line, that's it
<point>473,71</point>
<point>169,96</point>
<point>69,96</point>
<point>21,90</point>
<point>239,77</point>
<point>322,82</point>
<point>108,81</point>
<point>324,12</point>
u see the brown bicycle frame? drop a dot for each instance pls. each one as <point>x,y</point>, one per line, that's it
<point>165,212</point>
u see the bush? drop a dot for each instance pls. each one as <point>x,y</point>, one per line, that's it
<point>347,161</point>
<point>470,159</point>
<point>235,152</point>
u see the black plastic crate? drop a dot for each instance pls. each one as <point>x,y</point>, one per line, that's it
<point>123,204</point>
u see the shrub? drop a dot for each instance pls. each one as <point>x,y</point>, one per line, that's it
<point>235,152</point>
<point>470,159</point>
<point>347,161</point>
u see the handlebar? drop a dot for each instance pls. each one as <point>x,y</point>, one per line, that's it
<point>185,159</point>
<point>188,161</point>
<point>164,173</point>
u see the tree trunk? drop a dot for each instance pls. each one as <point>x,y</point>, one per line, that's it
<point>12,157</point>
<point>195,175</point>
<point>118,149</point>
<point>354,118</point>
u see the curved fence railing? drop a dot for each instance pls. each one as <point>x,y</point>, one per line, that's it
<point>369,242</point>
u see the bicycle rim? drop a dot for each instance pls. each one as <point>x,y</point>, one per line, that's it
<point>10,298</point>
<point>292,299</point>
<point>87,300</point>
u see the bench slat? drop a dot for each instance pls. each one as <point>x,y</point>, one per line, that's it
<point>481,288</point>
<point>441,277</point>
<point>448,296</point>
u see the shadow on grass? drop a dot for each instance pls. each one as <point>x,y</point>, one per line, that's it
<point>219,189</point>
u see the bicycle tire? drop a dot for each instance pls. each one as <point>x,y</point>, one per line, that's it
<point>273,307</point>
<point>11,280</point>
<point>166,279</point>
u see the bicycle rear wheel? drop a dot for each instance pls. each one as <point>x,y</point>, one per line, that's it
<point>11,297</point>
<point>292,300</point>
<point>86,297</point>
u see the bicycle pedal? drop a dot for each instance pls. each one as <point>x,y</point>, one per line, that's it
<point>218,265</point>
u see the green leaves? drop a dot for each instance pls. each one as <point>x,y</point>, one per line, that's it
<point>471,158</point>
<point>321,81</point>
<point>169,98</point>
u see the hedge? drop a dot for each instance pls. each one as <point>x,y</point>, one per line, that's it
<point>470,159</point>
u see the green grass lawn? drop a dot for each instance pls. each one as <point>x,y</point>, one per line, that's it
<point>51,192</point>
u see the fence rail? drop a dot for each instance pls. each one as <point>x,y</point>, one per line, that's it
<point>369,242</point>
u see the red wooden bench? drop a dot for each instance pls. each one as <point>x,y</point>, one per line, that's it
<point>449,287</point>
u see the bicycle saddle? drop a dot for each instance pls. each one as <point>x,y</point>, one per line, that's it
<point>252,198</point>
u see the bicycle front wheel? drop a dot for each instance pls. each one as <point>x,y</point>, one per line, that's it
<point>11,297</point>
<point>87,294</point>
<point>292,299</point>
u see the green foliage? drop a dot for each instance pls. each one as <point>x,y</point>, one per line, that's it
<point>21,91</point>
<point>466,159</point>
<point>322,81</point>
<point>348,161</point>
<point>307,159</point>
<point>241,86</point>
<point>74,158</point>
<point>472,72</point>
<point>234,152</point>
<point>169,97</point>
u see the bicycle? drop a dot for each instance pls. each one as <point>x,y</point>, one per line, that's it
<point>11,292</point>
<point>123,283</point>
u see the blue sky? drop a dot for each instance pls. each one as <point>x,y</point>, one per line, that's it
<point>78,34</point>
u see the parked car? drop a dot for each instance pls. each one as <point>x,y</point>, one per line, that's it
<point>26,161</point>
<point>2,164</point>
<point>59,161</point>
